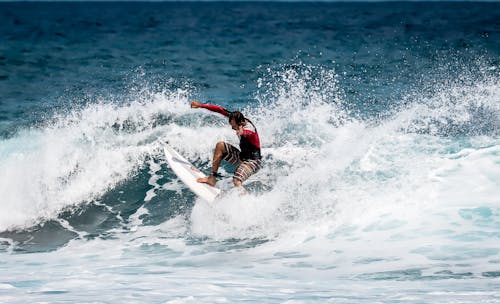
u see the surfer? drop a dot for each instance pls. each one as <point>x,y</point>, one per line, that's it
<point>247,159</point>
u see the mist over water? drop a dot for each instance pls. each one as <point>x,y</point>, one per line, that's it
<point>375,187</point>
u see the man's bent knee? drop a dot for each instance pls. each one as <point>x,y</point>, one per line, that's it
<point>220,146</point>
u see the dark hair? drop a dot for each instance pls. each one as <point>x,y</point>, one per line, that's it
<point>237,116</point>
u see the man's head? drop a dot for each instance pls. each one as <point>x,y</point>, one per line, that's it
<point>236,119</point>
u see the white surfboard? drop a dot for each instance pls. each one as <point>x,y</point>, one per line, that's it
<point>188,175</point>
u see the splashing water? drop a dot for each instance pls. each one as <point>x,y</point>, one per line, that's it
<point>413,196</point>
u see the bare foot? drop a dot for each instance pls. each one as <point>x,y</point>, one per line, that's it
<point>210,180</point>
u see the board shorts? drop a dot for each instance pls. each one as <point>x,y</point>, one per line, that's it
<point>245,168</point>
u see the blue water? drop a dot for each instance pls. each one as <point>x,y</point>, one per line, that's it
<point>380,126</point>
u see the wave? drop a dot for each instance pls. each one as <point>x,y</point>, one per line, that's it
<point>430,165</point>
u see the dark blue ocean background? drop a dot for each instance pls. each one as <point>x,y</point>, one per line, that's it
<point>54,55</point>
<point>380,124</point>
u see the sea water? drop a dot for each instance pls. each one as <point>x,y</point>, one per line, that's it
<point>380,132</point>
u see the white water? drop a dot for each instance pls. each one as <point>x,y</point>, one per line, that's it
<point>351,201</point>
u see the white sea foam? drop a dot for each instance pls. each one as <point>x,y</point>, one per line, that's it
<point>79,156</point>
<point>370,197</point>
<point>401,199</point>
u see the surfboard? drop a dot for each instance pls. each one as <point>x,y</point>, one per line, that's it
<point>188,174</point>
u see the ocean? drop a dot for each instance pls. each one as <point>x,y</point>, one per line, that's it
<point>380,132</point>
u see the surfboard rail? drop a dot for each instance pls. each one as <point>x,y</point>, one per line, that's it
<point>188,174</point>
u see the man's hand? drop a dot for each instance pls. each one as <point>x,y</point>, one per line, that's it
<point>195,104</point>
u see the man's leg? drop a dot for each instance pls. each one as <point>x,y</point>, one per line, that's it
<point>219,153</point>
<point>244,171</point>
<point>239,185</point>
<point>237,182</point>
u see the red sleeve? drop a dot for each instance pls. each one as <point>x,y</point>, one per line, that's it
<point>215,108</point>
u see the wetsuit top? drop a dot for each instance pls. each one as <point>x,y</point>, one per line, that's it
<point>249,140</point>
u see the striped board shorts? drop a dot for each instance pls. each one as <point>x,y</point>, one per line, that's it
<point>245,168</point>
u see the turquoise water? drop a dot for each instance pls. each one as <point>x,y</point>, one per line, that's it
<point>380,131</point>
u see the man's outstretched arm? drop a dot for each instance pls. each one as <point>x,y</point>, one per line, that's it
<point>214,108</point>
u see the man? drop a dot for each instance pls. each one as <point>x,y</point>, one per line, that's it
<point>247,159</point>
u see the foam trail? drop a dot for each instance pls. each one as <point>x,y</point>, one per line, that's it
<point>153,181</point>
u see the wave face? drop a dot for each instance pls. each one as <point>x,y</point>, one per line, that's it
<point>381,146</point>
